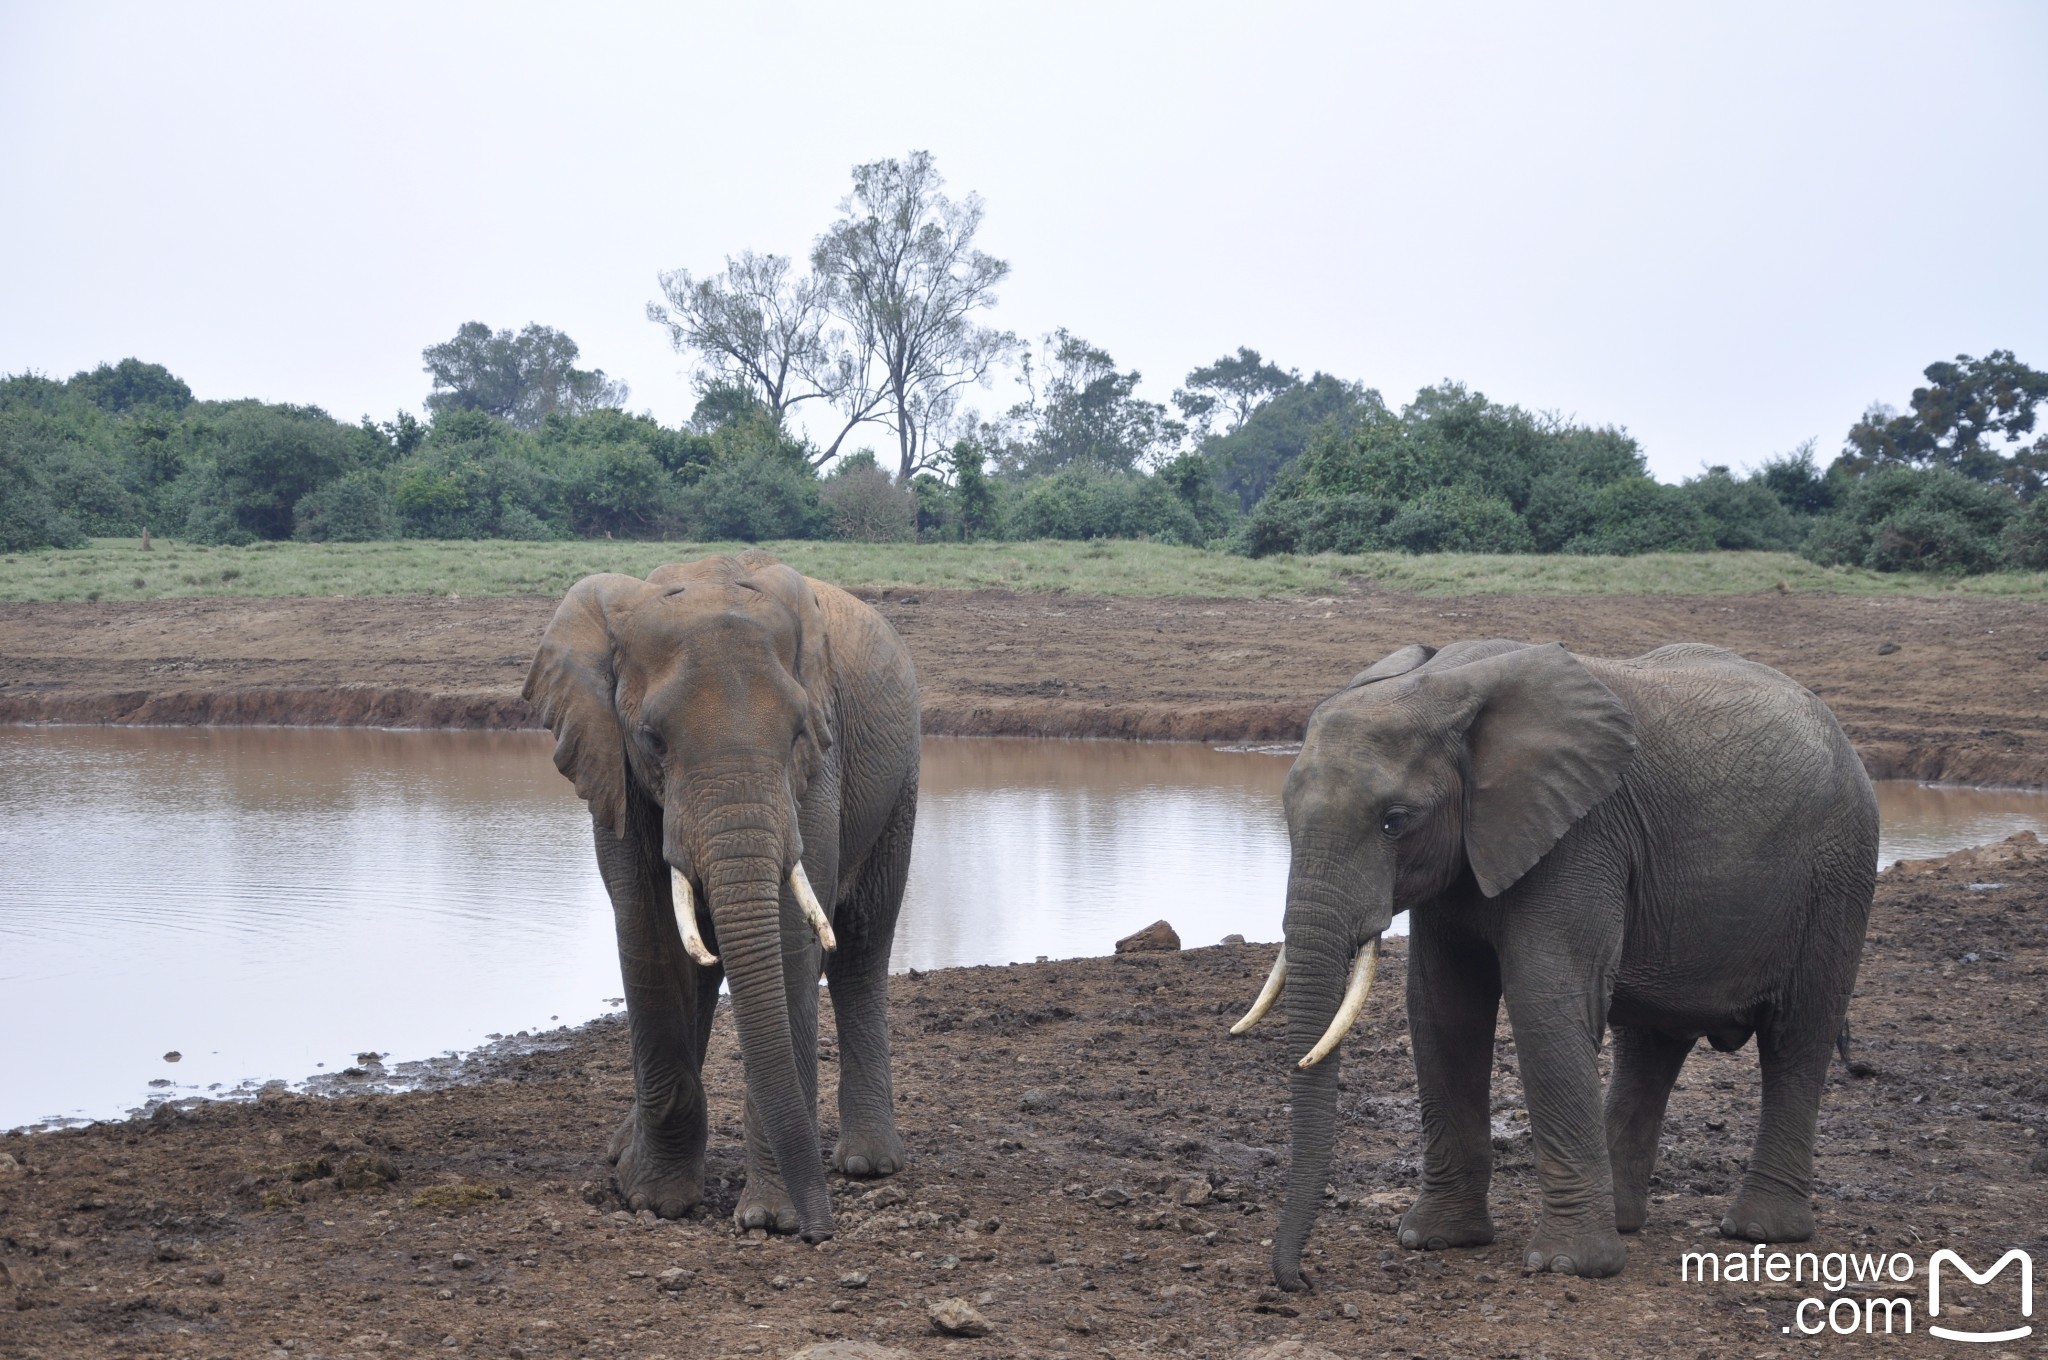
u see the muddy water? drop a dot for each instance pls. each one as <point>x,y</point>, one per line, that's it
<point>271,902</point>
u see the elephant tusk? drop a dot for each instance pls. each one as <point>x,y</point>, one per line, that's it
<point>1268,994</point>
<point>1355,992</point>
<point>686,919</point>
<point>800,884</point>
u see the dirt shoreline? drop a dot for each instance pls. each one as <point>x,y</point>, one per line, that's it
<point>1096,1165</point>
<point>1935,689</point>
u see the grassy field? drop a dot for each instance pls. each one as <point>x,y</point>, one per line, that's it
<point>117,569</point>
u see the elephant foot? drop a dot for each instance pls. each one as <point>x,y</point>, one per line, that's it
<point>878,1153</point>
<point>1594,1255</point>
<point>766,1204</point>
<point>1760,1215</point>
<point>1631,1210</point>
<point>670,1183</point>
<point>1438,1221</point>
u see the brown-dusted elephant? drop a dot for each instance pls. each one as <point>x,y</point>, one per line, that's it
<point>1679,845</point>
<point>747,741</point>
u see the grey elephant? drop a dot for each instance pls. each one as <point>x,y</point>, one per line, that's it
<point>747,740</point>
<point>1681,845</point>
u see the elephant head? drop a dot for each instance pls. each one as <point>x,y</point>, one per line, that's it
<point>1427,766</point>
<point>699,702</point>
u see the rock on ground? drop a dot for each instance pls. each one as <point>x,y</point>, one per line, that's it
<point>1159,937</point>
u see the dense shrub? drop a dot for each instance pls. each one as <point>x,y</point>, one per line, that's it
<point>1911,519</point>
<point>753,497</point>
<point>353,508</point>
<point>29,515</point>
<point>1742,514</point>
<point>866,504</point>
<point>1086,502</point>
<point>2025,539</point>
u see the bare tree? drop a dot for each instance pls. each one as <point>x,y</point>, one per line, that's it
<point>903,275</point>
<point>759,326</point>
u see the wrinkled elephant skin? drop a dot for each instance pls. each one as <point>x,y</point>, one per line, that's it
<point>747,741</point>
<point>1678,846</point>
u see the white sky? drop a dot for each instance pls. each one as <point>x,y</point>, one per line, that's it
<point>1727,228</point>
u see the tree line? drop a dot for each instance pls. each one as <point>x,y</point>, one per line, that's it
<point>879,338</point>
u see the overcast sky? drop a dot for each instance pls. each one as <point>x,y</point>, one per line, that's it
<point>1726,228</point>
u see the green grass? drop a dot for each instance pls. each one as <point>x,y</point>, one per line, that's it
<point>116,569</point>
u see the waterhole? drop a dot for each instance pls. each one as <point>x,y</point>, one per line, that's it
<point>275,902</point>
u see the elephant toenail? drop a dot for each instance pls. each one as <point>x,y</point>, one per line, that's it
<point>857,1166</point>
<point>1756,1232</point>
<point>1562,1265</point>
<point>1411,1239</point>
<point>1535,1260</point>
<point>1438,1243</point>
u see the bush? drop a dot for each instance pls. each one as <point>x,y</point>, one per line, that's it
<point>29,515</point>
<point>355,508</point>
<point>1911,519</point>
<point>1742,515</point>
<point>1640,515</point>
<point>866,505</point>
<point>755,497</point>
<point>1457,519</point>
<point>2025,539</point>
<point>1084,502</point>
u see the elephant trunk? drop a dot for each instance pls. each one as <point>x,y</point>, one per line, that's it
<point>1327,972</point>
<point>744,872</point>
<point>1315,986</point>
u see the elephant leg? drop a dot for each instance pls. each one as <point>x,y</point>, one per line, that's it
<point>658,1151</point>
<point>1453,1001</point>
<point>1772,1204</point>
<point>858,976</point>
<point>766,1201</point>
<point>1558,957</point>
<point>1646,1064</point>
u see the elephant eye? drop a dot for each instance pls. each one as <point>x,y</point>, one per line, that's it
<point>1395,821</point>
<point>653,740</point>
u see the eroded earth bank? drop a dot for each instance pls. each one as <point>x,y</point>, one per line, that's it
<point>1951,688</point>
<point>1096,1165</point>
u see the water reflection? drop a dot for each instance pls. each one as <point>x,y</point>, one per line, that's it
<point>270,901</point>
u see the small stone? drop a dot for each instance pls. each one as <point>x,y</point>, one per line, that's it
<point>2039,1166</point>
<point>173,1056</point>
<point>781,1282</point>
<point>949,1262</point>
<point>884,1197</point>
<point>1291,1349</point>
<point>850,1350</point>
<point>1191,1194</point>
<point>1157,938</point>
<point>1080,1320</point>
<point>444,1294</point>
<point>1033,1100</point>
<point>1111,1196</point>
<point>1887,649</point>
<point>214,1276</point>
<point>1350,1310</point>
<point>9,1167</point>
<point>839,1306</point>
<point>957,1317</point>
<point>674,1278</point>
<point>854,1279</point>
<point>638,1275</point>
<point>461,1261</point>
<point>1233,938</point>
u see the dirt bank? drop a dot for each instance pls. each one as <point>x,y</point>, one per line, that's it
<point>1947,689</point>
<point>1096,1164</point>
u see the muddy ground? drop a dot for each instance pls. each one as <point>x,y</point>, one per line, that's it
<point>1096,1168</point>
<point>1928,688</point>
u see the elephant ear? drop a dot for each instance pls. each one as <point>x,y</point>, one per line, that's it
<point>795,593</point>
<point>1547,741</point>
<point>1393,664</point>
<point>573,682</point>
